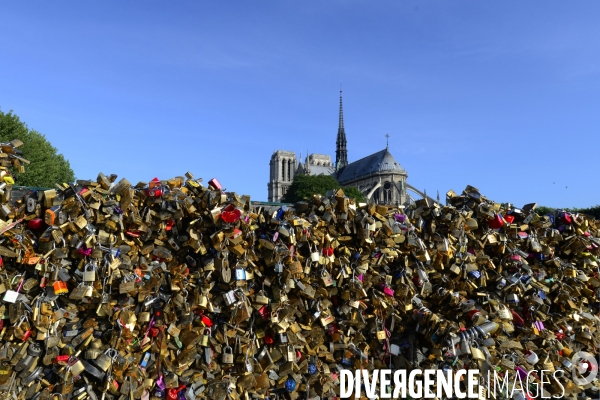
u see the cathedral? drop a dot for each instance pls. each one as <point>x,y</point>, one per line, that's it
<point>378,176</point>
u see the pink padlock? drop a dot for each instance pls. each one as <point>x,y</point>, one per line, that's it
<point>388,291</point>
<point>539,325</point>
<point>521,372</point>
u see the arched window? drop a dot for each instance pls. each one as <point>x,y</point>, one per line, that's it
<point>289,176</point>
<point>283,170</point>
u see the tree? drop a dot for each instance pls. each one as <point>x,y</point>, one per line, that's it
<point>304,186</point>
<point>593,211</point>
<point>47,166</point>
<point>354,193</point>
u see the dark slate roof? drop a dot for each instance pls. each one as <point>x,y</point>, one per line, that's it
<point>381,161</point>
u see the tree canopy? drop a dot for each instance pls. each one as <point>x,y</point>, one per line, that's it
<point>304,186</point>
<point>47,165</point>
<point>593,211</point>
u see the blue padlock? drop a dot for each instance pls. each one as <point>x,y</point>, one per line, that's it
<point>240,274</point>
<point>290,385</point>
<point>526,279</point>
<point>541,294</point>
<point>475,274</point>
<point>281,212</point>
<point>312,368</point>
<point>346,362</point>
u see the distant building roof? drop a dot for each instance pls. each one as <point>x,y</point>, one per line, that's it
<point>381,161</point>
<point>321,170</point>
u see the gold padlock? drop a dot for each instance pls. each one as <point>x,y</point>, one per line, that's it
<point>204,341</point>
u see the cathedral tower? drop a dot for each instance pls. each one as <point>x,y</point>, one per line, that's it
<point>341,154</point>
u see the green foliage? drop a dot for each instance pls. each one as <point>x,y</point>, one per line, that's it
<point>593,211</point>
<point>354,193</point>
<point>304,186</point>
<point>543,210</point>
<point>47,166</point>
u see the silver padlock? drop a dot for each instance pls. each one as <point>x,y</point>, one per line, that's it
<point>227,355</point>
<point>464,344</point>
<point>89,273</point>
<point>278,267</point>
<point>229,297</point>
<point>208,355</point>
<point>512,298</point>
<point>240,274</point>
<point>290,354</point>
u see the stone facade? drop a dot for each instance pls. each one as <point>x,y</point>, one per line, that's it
<point>283,169</point>
<point>378,176</point>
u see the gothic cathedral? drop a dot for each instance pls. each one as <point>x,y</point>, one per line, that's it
<point>378,176</point>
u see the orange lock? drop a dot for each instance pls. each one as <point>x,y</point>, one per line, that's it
<point>60,287</point>
<point>51,214</point>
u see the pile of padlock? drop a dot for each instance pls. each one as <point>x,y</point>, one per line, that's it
<point>176,290</point>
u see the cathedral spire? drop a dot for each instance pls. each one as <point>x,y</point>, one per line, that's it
<point>341,154</point>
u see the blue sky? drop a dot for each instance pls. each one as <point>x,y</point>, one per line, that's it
<point>503,96</point>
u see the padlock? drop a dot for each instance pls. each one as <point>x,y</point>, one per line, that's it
<point>31,202</point>
<point>204,341</point>
<point>227,357</point>
<point>89,273</point>
<point>261,298</point>
<point>508,362</point>
<point>34,350</point>
<point>290,354</point>
<point>477,353</point>
<point>531,357</point>
<point>278,267</point>
<point>283,338</point>
<point>240,274</point>
<point>77,368</point>
<point>512,298</point>
<point>504,313</point>
<point>327,280</point>
<point>230,297</point>
<point>455,269</point>
<point>51,215</point>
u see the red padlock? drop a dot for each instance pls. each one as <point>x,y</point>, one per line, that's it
<point>264,312</point>
<point>64,359</point>
<point>214,183</point>
<point>231,214</point>
<point>206,321</point>
<point>35,224</point>
<point>154,188</point>
<point>517,319</point>
<point>26,335</point>
<point>268,340</point>
<point>157,192</point>
<point>496,222</point>
<point>171,394</point>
